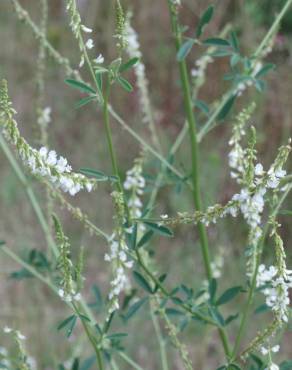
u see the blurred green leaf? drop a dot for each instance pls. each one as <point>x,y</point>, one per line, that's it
<point>81,86</point>
<point>125,84</point>
<point>216,41</point>
<point>204,20</point>
<point>228,295</point>
<point>159,229</point>
<point>140,280</point>
<point>124,67</point>
<point>184,50</point>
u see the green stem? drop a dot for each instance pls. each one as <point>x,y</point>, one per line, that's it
<point>90,338</point>
<point>195,161</point>
<point>109,133</point>
<point>273,28</point>
<point>31,195</point>
<point>130,361</point>
<point>246,310</point>
<point>160,339</point>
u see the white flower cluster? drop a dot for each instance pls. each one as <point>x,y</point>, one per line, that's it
<point>217,266</point>
<point>4,360</point>
<point>277,290</point>
<point>42,162</point>
<point>253,178</point>
<point>268,352</point>
<point>200,66</point>
<point>133,50</point>
<point>46,164</point>
<point>135,184</point>
<point>120,262</point>
<point>8,330</point>
<point>69,297</point>
<point>45,117</point>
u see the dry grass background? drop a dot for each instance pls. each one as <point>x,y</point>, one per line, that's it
<point>79,135</point>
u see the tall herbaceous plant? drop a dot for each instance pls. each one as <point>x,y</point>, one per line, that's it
<point>137,284</point>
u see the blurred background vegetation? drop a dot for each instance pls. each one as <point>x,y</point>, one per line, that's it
<point>80,137</point>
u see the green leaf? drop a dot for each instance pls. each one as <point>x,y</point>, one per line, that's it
<point>98,303</point>
<point>98,78</point>
<point>81,86</point>
<point>263,308</point>
<point>2,242</point>
<point>231,318</point>
<point>212,289</point>
<point>228,295</point>
<point>159,229</point>
<point>75,365</point>
<point>125,84</point>
<point>173,312</point>
<point>84,101</point>
<point>98,175</point>
<point>204,20</point>
<point>99,70</point>
<point>128,64</point>
<point>140,280</point>
<point>216,315</point>
<point>108,323</point>
<point>234,60</point>
<point>69,324</point>
<point>216,41</point>
<point>226,108</point>
<point>116,335</point>
<point>133,237</point>
<point>265,69</point>
<point>221,53</point>
<point>184,50</point>
<point>234,41</point>
<point>145,238</point>
<point>134,308</point>
<point>202,106</point>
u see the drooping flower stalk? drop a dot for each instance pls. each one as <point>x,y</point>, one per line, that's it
<point>42,162</point>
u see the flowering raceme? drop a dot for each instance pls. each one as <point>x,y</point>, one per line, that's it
<point>43,163</point>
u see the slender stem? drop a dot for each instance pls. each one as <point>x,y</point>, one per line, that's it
<point>129,361</point>
<point>273,28</point>
<point>254,277</point>
<point>30,193</point>
<point>193,139</point>
<point>90,338</point>
<point>195,160</point>
<point>160,339</point>
<point>109,133</point>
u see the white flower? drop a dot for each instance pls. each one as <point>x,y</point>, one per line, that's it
<point>276,348</point>
<point>264,351</point>
<point>259,170</point>
<point>20,336</point>
<point>45,117</point>
<point>99,59</point>
<point>86,29</point>
<point>7,330</point>
<point>89,44</point>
